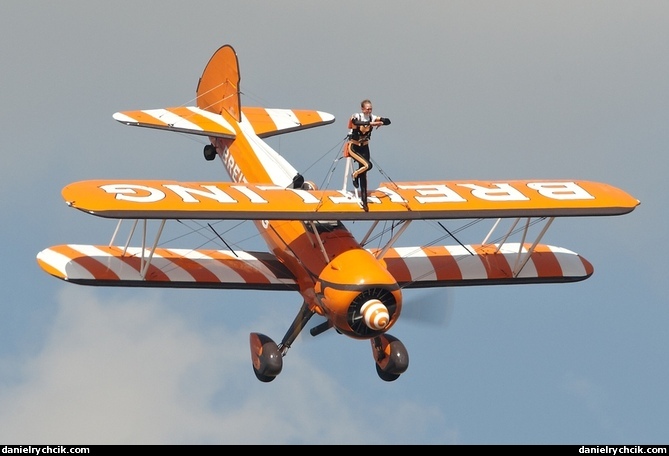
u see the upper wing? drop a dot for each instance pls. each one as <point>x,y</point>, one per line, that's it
<point>391,201</point>
<point>264,121</point>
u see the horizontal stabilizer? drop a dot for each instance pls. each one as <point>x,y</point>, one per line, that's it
<point>137,199</point>
<point>183,119</point>
<point>265,122</point>
<point>268,122</point>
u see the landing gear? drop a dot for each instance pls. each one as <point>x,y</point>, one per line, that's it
<point>298,181</point>
<point>209,152</point>
<point>390,355</point>
<point>392,358</point>
<point>267,356</point>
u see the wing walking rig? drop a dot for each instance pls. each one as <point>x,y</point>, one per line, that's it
<point>357,290</point>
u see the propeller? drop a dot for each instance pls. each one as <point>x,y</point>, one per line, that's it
<point>433,306</point>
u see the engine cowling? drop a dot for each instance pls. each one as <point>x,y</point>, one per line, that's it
<point>358,294</point>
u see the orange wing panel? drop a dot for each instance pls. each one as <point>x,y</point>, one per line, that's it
<point>260,120</point>
<point>496,266</point>
<point>546,262</point>
<point>180,119</point>
<point>110,265</point>
<point>90,264</point>
<point>438,266</point>
<point>268,122</point>
<point>142,118</point>
<point>444,264</point>
<point>403,201</point>
<point>206,123</point>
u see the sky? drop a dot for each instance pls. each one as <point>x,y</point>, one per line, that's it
<point>475,90</point>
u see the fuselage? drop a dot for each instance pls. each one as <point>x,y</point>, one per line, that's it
<point>311,251</point>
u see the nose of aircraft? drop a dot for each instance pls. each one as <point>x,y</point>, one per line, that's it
<point>375,314</point>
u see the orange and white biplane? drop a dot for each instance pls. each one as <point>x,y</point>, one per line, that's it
<point>356,289</point>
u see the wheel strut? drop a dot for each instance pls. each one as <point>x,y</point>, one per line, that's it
<point>296,327</point>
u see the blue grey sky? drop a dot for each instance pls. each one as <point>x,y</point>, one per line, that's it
<point>475,90</point>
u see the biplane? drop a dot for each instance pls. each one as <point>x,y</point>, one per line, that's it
<point>356,289</point>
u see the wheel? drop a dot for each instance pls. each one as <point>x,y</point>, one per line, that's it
<point>391,357</point>
<point>385,376</point>
<point>266,357</point>
<point>261,377</point>
<point>209,152</point>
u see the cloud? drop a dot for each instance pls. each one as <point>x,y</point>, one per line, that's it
<point>592,398</point>
<point>133,372</point>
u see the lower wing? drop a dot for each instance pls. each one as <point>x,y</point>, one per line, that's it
<point>170,268</point>
<point>412,267</point>
<point>490,264</point>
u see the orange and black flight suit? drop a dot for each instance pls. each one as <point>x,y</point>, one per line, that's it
<point>360,132</point>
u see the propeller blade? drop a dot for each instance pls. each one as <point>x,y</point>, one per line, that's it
<point>434,307</point>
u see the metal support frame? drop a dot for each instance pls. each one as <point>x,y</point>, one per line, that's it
<point>394,239</point>
<point>145,260</point>
<point>320,241</point>
<point>521,258</point>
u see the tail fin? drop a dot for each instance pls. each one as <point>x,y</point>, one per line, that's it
<point>218,88</point>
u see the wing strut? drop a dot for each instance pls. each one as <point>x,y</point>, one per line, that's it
<point>506,236</point>
<point>320,241</point>
<point>145,261</point>
<point>485,241</point>
<point>369,232</point>
<point>392,241</point>
<point>118,226</point>
<point>145,267</point>
<point>521,259</point>
<point>127,243</point>
<point>531,249</point>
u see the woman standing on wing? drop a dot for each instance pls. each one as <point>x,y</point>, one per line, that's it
<point>360,132</point>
